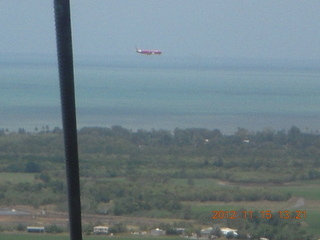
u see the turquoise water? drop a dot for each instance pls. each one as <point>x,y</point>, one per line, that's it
<point>163,97</point>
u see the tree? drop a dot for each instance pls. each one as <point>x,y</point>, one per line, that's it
<point>217,232</point>
<point>187,212</point>
<point>294,136</point>
<point>57,130</point>
<point>118,228</point>
<point>22,131</point>
<point>230,235</point>
<point>45,177</point>
<point>33,167</point>
<point>21,227</point>
<point>54,229</point>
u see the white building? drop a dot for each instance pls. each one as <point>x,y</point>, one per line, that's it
<point>181,231</point>
<point>206,232</point>
<point>157,232</point>
<point>32,229</point>
<point>225,231</point>
<point>101,230</point>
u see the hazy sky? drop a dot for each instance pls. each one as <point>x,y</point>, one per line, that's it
<point>254,29</point>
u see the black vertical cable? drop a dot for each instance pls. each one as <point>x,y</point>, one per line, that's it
<point>65,62</point>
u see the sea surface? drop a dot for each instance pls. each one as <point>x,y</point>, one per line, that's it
<point>153,94</point>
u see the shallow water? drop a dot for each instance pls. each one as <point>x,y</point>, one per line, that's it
<point>163,98</point>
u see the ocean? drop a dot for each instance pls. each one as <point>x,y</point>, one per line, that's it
<point>155,93</point>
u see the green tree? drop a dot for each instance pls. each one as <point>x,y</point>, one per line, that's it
<point>21,227</point>
<point>54,229</point>
<point>32,167</point>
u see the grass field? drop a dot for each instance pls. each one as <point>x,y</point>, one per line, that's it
<point>305,196</point>
<point>17,177</point>
<point>45,236</point>
<point>204,182</point>
<point>41,236</point>
<point>307,191</point>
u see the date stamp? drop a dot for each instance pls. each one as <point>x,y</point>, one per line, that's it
<point>266,214</point>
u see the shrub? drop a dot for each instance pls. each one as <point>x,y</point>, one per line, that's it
<point>54,229</point>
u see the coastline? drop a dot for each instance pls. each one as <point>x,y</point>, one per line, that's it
<point>228,124</point>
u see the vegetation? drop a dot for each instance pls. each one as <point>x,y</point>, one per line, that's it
<point>66,237</point>
<point>160,173</point>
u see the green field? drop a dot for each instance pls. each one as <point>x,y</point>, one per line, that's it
<point>17,177</point>
<point>305,190</point>
<point>32,237</point>
<point>45,236</point>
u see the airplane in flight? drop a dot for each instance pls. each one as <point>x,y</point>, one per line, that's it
<point>148,52</point>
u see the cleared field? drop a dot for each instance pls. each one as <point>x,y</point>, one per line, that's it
<point>307,191</point>
<point>17,177</point>
<point>30,236</point>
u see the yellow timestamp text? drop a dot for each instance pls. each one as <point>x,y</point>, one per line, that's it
<point>266,214</point>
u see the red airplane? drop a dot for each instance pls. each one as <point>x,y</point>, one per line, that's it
<point>148,52</point>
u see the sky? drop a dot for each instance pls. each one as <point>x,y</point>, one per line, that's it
<point>229,29</point>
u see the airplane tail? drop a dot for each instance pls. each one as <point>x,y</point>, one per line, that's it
<point>138,50</point>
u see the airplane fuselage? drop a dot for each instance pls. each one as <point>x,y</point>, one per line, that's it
<point>148,52</point>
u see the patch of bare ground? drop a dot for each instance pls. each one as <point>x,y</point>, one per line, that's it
<point>269,184</point>
<point>294,202</point>
<point>39,218</point>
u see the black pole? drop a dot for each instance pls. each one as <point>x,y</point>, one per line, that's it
<point>66,76</point>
